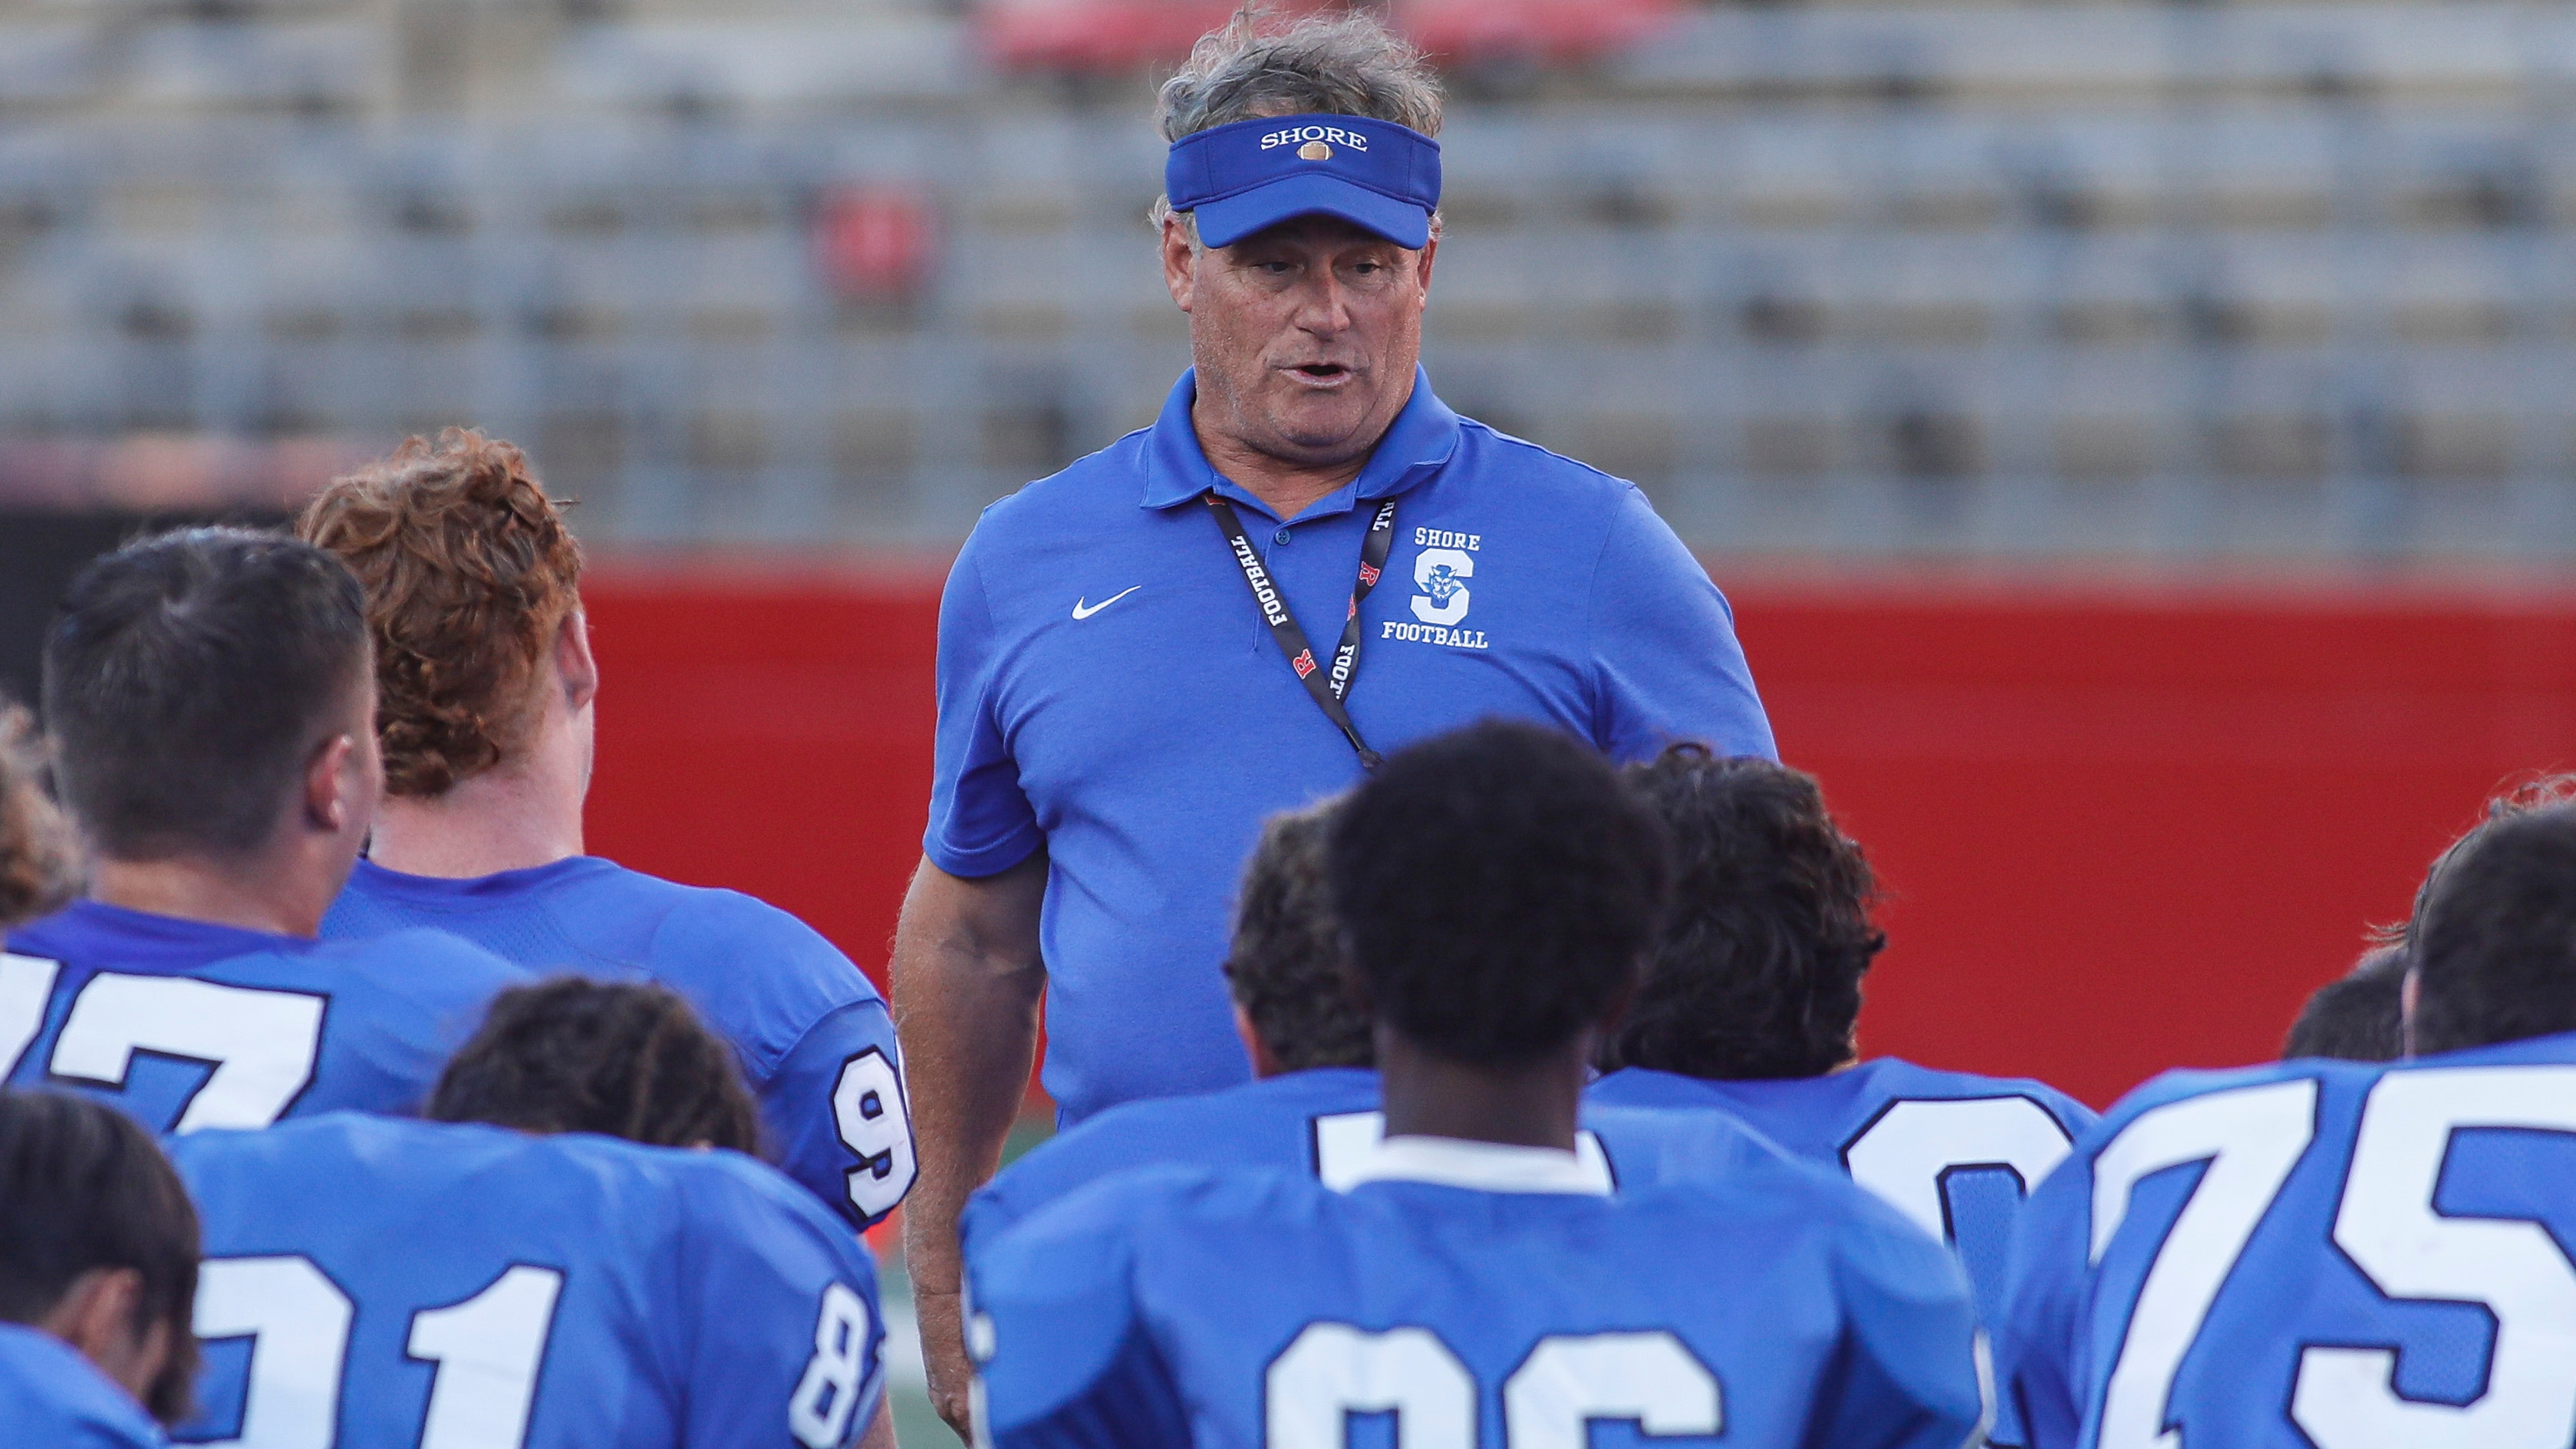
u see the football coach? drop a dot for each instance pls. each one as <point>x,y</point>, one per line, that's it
<point>1307,559</point>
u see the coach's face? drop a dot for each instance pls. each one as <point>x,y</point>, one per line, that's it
<point>1305,335</point>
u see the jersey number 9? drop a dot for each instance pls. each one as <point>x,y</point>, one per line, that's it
<point>868,1109</point>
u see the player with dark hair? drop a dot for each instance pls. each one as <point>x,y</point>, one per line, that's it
<point>489,701</point>
<point>2356,1016</point>
<point>1314,1106</point>
<point>209,697</point>
<point>1293,1005</point>
<point>98,1267</point>
<point>2539,792</point>
<point>1498,890</point>
<point>1752,1005</point>
<point>511,1278</point>
<point>2494,946</point>
<point>2322,1254</point>
<point>628,1061</point>
<point>1758,977</point>
<point>36,870</point>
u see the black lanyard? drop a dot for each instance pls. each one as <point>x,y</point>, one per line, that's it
<point>1329,686</point>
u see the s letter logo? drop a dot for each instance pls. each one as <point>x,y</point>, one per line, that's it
<point>1441,574</point>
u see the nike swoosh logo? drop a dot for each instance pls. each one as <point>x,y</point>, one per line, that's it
<point>1080,612</point>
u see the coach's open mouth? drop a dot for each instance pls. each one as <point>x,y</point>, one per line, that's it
<point>1326,372</point>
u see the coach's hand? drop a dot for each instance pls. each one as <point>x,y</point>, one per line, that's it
<point>943,1355</point>
<point>967,980</point>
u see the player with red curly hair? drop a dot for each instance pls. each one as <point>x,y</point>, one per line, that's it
<point>487,698</point>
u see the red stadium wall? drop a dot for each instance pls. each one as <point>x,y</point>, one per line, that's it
<point>2122,829</point>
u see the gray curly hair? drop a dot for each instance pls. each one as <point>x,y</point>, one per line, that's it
<point>1342,65</point>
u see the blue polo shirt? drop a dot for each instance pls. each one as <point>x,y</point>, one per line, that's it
<point>1109,692</point>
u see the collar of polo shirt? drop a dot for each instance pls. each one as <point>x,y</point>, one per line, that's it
<point>1416,445</point>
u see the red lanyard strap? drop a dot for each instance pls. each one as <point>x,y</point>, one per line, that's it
<point>1328,686</point>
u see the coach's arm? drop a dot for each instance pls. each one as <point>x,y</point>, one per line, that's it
<point>967,980</point>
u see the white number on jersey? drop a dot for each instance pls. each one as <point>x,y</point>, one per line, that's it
<point>2346,1397</point>
<point>868,1108</point>
<point>2250,1138</point>
<point>2385,1222</point>
<point>1344,1142</point>
<point>298,1320</point>
<point>818,1413</point>
<point>1333,1370</point>
<point>262,1044</point>
<point>1908,1151</point>
<point>1567,1384</point>
<point>487,1349</point>
<point>26,984</point>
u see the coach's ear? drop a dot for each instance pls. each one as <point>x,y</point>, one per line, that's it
<point>1180,264</point>
<point>574,665</point>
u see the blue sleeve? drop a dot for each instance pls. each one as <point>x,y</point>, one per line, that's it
<point>836,1114</point>
<point>776,1335</point>
<point>1063,1356</point>
<point>1666,662</point>
<point>1914,1373</point>
<point>980,822</point>
<point>2043,1304</point>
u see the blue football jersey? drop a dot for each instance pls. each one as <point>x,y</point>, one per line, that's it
<point>1489,1298</point>
<point>812,1034</point>
<point>185,1025</point>
<point>52,1397</point>
<point>2310,1255</point>
<point>379,1284</point>
<point>1953,1151</point>
<point>1325,1121</point>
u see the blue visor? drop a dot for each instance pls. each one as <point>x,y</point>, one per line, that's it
<point>1240,178</point>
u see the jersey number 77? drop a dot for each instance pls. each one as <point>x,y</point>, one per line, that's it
<point>262,1044</point>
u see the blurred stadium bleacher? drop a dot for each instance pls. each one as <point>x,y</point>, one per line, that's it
<point>2172,281</point>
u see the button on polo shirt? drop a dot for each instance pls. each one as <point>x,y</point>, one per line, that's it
<point>1108,691</point>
